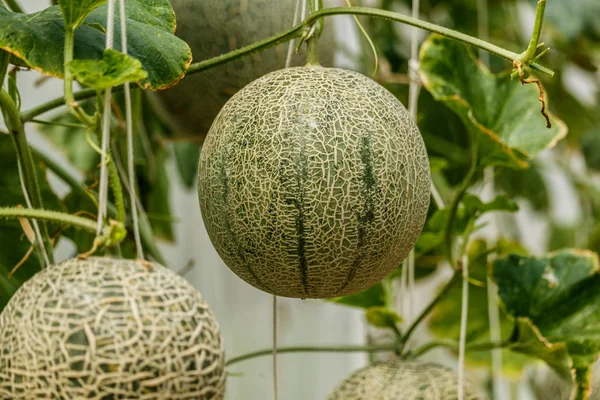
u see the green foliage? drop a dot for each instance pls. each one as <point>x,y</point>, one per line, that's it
<point>374,296</point>
<point>559,294</point>
<point>382,317</point>
<point>38,40</point>
<point>113,69</point>
<point>187,156</point>
<point>502,114</point>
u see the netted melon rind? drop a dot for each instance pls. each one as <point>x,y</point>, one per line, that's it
<point>215,27</point>
<point>109,329</point>
<point>404,381</point>
<point>313,183</point>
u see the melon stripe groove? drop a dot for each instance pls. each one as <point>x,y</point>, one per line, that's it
<point>301,176</point>
<point>367,215</point>
<point>230,231</point>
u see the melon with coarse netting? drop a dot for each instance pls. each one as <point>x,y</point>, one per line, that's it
<point>215,27</point>
<point>399,380</point>
<point>313,182</point>
<point>103,328</point>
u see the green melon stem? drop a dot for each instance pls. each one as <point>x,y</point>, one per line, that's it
<point>529,54</point>
<point>296,32</point>
<point>312,52</point>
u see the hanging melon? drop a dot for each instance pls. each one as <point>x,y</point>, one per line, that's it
<point>313,183</point>
<point>215,27</point>
<point>109,329</point>
<point>404,381</point>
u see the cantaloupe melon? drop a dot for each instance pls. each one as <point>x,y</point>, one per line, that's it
<point>404,381</point>
<point>313,182</point>
<point>215,27</point>
<point>109,329</point>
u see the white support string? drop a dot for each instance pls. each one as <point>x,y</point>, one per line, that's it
<point>413,100</point>
<point>129,128</point>
<point>463,327</point>
<point>275,385</point>
<point>103,191</point>
<point>492,290</point>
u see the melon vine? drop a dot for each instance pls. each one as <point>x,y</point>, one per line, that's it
<point>338,155</point>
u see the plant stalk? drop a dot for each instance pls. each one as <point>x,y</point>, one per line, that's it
<point>529,54</point>
<point>311,349</point>
<point>453,210</point>
<point>14,6</point>
<point>47,215</point>
<point>69,98</point>
<point>296,32</point>
<point>453,281</point>
<point>452,345</point>
<point>4,58</point>
<point>17,131</point>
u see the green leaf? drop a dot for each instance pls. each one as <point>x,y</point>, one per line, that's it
<point>371,297</point>
<point>75,11</point>
<point>113,69</point>
<point>527,183</point>
<point>528,340</point>
<point>560,294</point>
<point>38,39</point>
<point>590,144</point>
<point>475,207</point>
<point>13,241</point>
<point>382,317</point>
<point>154,192</point>
<point>187,156</point>
<point>504,115</point>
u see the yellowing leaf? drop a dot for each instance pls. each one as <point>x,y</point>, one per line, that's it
<point>503,114</point>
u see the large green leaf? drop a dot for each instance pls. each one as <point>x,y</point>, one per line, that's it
<point>560,294</point>
<point>38,39</point>
<point>504,115</point>
<point>13,242</point>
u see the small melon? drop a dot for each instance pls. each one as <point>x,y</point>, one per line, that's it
<point>313,182</point>
<point>404,381</point>
<point>215,27</point>
<point>109,329</point>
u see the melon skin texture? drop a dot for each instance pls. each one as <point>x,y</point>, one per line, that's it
<point>313,183</point>
<point>404,381</point>
<point>109,329</point>
<point>215,27</point>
